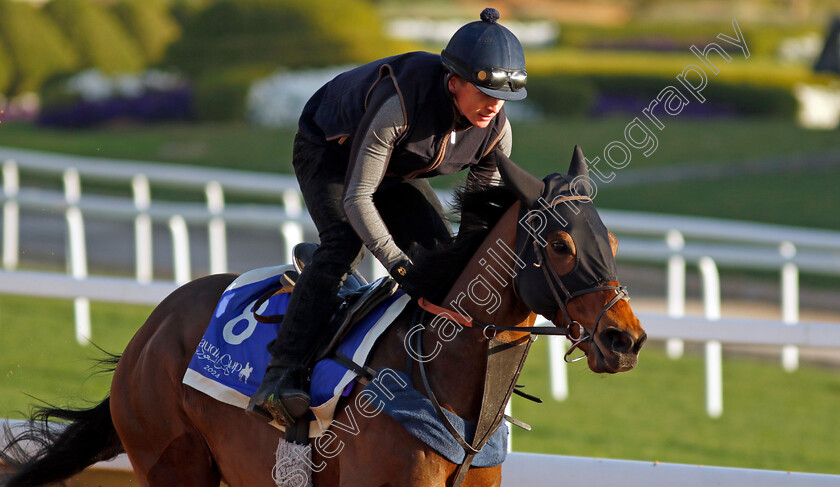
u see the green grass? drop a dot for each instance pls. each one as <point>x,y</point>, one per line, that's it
<point>541,146</point>
<point>40,357</point>
<point>799,198</point>
<point>231,145</point>
<point>759,71</point>
<point>802,197</point>
<point>772,419</point>
<point>547,146</point>
<point>656,412</point>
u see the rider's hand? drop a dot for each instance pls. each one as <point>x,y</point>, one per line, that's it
<point>406,276</point>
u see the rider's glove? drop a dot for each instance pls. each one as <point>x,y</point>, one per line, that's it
<point>406,276</point>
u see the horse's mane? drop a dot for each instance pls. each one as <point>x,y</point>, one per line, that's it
<point>479,209</point>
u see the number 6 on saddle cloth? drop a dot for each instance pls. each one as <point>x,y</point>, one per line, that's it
<point>230,359</point>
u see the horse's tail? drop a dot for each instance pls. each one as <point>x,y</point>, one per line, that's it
<point>44,453</point>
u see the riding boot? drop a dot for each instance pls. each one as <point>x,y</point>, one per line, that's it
<point>281,396</point>
<point>283,392</point>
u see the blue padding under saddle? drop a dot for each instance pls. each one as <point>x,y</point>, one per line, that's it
<point>393,392</point>
<point>232,355</point>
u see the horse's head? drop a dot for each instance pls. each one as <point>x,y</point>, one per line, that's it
<point>567,260</point>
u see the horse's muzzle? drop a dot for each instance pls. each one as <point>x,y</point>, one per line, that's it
<point>615,350</point>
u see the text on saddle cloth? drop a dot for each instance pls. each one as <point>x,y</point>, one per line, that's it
<point>231,358</point>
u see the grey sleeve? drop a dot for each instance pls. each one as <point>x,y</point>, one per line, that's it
<point>486,171</point>
<point>368,164</point>
<point>506,146</point>
<point>506,142</point>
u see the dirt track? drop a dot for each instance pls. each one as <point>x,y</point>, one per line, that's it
<point>99,478</point>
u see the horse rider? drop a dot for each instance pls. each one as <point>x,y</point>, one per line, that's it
<point>366,142</point>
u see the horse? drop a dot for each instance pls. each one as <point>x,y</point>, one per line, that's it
<point>526,247</point>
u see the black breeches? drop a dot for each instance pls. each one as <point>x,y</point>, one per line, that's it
<point>410,210</point>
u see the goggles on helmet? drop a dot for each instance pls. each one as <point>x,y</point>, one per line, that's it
<point>489,77</point>
<point>495,78</point>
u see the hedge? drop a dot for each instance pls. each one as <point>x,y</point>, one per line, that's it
<point>562,95</point>
<point>98,36</point>
<point>762,40</point>
<point>221,94</point>
<point>150,24</point>
<point>6,69</point>
<point>290,33</point>
<point>36,46</point>
<point>566,95</point>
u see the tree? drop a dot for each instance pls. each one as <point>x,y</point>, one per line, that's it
<point>6,69</point>
<point>36,47</point>
<point>150,24</point>
<point>290,33</point>
<point>98,36</point>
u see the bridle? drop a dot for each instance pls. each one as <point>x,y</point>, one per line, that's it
<point>561,295</point>
<point>503,372</point>
<point>554,282</point>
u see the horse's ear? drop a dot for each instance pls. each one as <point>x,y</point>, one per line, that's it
<point>578,169</point>
<point>524,185</point>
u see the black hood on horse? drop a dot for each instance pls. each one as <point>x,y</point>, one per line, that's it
<point>558,203</point>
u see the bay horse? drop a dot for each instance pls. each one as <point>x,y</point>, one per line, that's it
<point>529,246</point>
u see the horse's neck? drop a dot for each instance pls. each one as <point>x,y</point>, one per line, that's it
<point>484,292</point>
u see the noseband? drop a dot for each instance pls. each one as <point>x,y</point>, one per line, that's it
<point>554,282</point>
<point>562,296</point>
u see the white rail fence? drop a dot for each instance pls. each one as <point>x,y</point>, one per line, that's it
<point>535,469</point>
<point>675,242</point>
<point>670,240</point>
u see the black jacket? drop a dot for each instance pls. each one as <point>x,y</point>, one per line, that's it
<point>334,113</point>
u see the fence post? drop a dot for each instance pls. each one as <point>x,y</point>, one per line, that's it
<point>77,252</point>
<point>676,289</point>
<point>509,412</point>
<point>790,303</point>
<point>144,263</point>
<point>291,230</point>
<point>180,249</point>
<point>557,364</point>
<point>11,215</point>
<point>714,352</point>
<point>216,230</point>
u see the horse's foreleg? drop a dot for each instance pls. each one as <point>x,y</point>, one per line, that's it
<point>483,477</point>
<point>381,453</point>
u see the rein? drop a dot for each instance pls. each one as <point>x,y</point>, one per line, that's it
<point>501,373</point>
<point>502,358</point>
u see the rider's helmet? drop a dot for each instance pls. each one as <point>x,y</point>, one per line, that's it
<point>489,56</point>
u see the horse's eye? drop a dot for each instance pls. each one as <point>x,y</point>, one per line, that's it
<point>558,246</point>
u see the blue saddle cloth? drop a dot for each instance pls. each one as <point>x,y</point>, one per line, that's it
<point>230,360</point>
<point>392,392</point>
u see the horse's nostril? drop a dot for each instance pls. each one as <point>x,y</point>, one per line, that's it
<point>617,341</point>
<point>641,341</point>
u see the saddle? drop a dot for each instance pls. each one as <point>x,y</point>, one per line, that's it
<point>357,298</point>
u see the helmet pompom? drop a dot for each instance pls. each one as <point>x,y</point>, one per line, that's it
<point>490,15</point>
